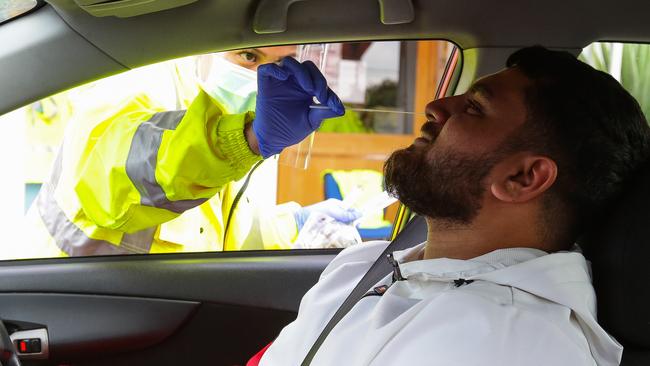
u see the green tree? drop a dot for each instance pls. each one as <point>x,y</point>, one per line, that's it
<point>628,63</point>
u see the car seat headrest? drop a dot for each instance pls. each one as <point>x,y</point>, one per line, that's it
<point>619,251</point>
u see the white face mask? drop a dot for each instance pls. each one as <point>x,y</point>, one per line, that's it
<point>232,86</point>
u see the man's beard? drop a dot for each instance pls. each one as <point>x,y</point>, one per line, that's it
<point>445,186</point>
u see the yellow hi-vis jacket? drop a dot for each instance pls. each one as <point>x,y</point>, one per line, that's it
<point>122,180</point>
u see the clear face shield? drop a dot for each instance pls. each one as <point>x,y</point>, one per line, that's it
<point>298,155</point>
<point>234,86</point>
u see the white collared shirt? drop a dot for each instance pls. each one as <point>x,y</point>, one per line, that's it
<point>517,306</point>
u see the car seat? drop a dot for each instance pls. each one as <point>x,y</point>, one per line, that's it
<point>619,251</point>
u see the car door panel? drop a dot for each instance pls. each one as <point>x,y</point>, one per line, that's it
<point>83,325</point>
<point>276,280</point>
<point>208,308</point>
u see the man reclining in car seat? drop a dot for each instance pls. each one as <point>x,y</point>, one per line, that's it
<point>507,175</point>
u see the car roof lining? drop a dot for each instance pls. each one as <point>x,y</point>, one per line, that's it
<point>211,25</point>
<point>47,61</point>
<point>109,45</point>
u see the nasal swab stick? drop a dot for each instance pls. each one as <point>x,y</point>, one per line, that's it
<point>317,106</point>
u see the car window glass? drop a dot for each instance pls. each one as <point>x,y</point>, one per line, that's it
<point>627,63</point>
<point>366,76</point>
<point>85,182</point>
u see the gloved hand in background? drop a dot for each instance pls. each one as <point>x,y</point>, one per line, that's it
<point>282,114</point>
<point>332,207</point>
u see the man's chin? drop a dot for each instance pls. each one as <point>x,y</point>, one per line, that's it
<point>402,166</point>
<point>443,186</point>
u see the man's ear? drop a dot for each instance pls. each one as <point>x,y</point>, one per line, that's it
<point>522,177</point>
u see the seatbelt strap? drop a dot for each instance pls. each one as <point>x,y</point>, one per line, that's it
<point>414,233</point>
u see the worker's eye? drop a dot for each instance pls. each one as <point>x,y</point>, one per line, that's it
<point>248,57</point>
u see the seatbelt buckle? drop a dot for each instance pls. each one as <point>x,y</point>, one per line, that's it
<point>397,273</point>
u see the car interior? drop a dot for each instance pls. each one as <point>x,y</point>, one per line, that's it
<point>220,308</point>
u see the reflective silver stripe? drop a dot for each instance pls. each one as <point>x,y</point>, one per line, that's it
<point>143,157</point>
<point>55,174</point>
<point>72,240</point>
<point>140,241</point>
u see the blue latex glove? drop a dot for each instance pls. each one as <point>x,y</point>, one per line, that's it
<point>332,207</point>
<point>285,92</point>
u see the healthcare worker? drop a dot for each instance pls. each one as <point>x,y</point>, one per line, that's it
<point>134,178</point>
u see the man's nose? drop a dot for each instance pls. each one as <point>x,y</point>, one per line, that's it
<point>438,111</point>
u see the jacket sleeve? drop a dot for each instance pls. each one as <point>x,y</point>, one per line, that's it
<point>145,167</point>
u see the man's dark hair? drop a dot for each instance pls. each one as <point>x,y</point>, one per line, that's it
<point>584,120</point>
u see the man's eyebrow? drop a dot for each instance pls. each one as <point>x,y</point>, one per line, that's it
<point>481,89</point>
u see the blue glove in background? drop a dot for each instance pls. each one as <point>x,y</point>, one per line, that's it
<point>285,92</point>
<point>332,207</point>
